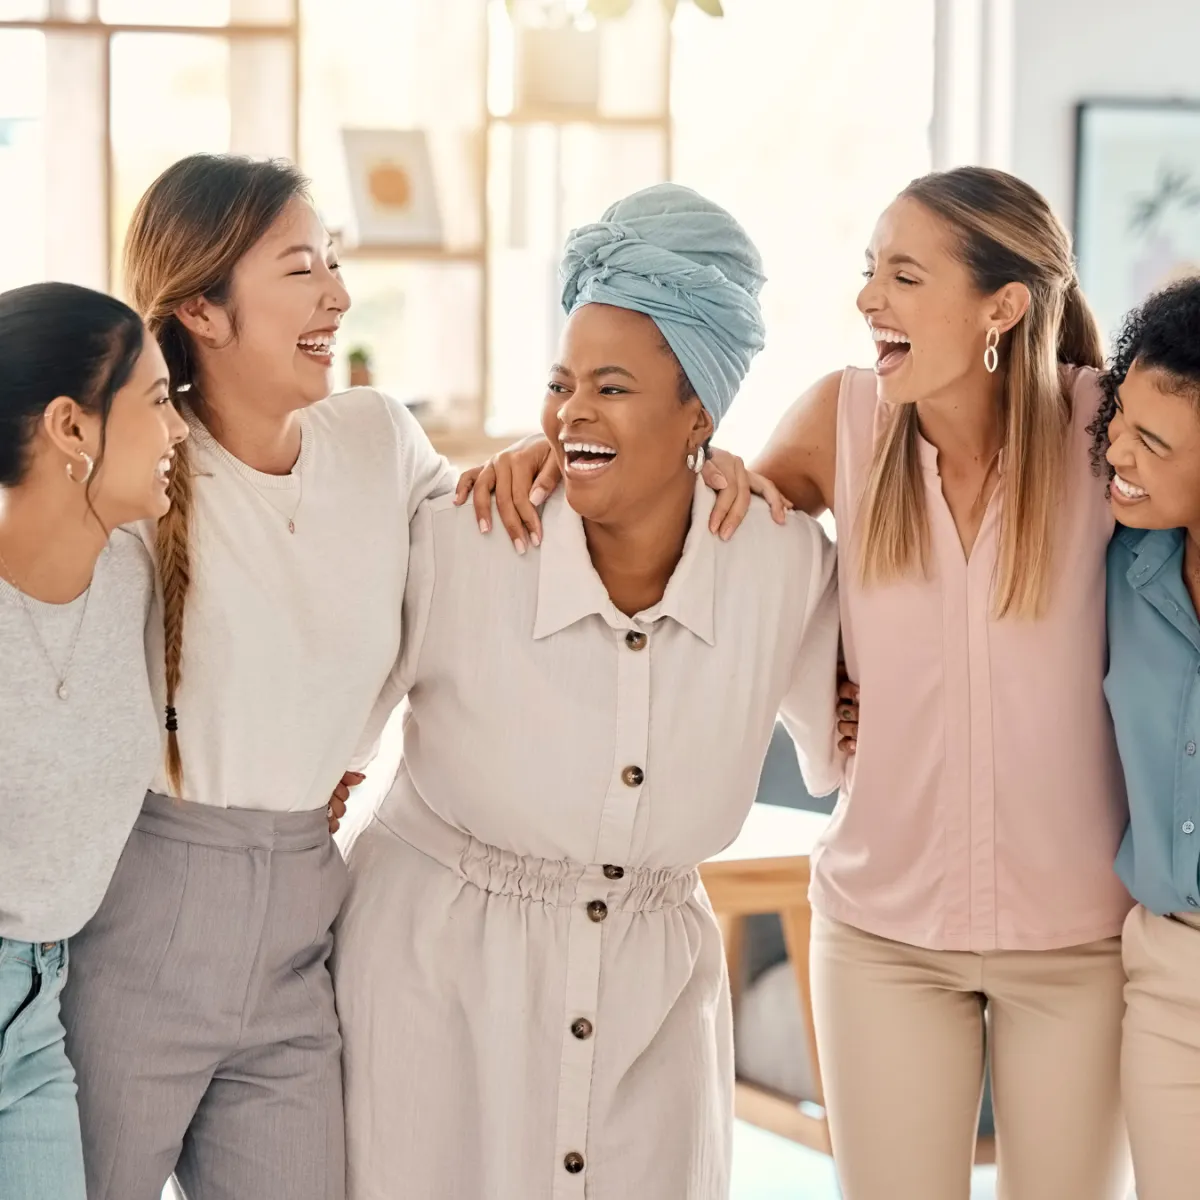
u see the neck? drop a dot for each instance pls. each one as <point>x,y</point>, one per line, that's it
<point>965,422</point>
<point>50,540</point>
<point>265,441</point>
<point>635,557</point>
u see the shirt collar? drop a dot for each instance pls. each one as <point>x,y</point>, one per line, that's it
<point>570,590</point>
<point>1152,549</point>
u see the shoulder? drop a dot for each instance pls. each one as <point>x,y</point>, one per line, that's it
<point>798,543</point>
<point>368,411</point>
<point>127,563</point>
<point>1082,386</point>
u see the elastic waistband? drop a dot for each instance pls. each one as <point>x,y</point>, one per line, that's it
<point>552,882</point>
<point>232,828</point>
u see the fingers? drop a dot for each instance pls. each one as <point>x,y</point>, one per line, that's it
<point>714,476</point>
<point>510,518</point>
<point>547,480</point>
<point>485,485</point>
<point>741,503</point>
<point>522,487</point>
<point>848,745</point>
<point>466,481</point>
<point>726,495</point>
<point>353,778</point>
<point>760,485</point>
<point>848,691</point>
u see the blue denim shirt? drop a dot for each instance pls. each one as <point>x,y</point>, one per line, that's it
<point>1153,690</point>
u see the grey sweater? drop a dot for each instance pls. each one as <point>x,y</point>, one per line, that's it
<point>73,772</point>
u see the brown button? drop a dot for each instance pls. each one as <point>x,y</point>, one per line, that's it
<point>611,872</point>
<point>582,1029</point>
<point>633,776</point>
<point>574,1163</point>
<point>635,640</point>
<point>48,946</point>
<point>597,910</point>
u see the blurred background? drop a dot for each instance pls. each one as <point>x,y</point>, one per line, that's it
<point>453,143</point>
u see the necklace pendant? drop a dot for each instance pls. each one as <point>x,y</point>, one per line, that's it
<point>62,692</point>
<point>291,527</point>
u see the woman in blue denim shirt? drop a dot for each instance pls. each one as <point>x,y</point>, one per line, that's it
<point>1149,432</point>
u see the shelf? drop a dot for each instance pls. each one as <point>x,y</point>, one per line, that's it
<point>422,254</point>
<point>569,116</point>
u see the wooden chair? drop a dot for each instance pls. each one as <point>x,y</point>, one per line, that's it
<point>766,870</point>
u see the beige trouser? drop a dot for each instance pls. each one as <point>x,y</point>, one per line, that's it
<point>1160,1057</point>
<point>900,1033</point>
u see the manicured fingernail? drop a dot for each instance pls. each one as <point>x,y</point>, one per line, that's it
<point>726,534</point>
<point>485,526</point>
<point>536,538</point>
<point>537,496</point>
<point>719,480</point>
<point>519,546</point>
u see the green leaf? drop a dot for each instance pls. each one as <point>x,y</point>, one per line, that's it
<point>712,7</point>
<point>609,10</point>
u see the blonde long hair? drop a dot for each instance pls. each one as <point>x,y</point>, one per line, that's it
<point>188,233</point>
<point>1006,233</point>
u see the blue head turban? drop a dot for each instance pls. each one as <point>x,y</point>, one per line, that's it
<point>687,264</point>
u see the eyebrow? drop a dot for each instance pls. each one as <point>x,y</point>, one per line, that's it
<point>304,248</point>
<point>164,382</point>
<point>559,369</point>
<point>898,260</point>
<point>1152,437</point>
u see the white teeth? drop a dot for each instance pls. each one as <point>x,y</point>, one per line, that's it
<point>163,470</point>
<point>889,335</point>
<point>587,448</point>
<point>1129,490</point>
<point>590,466</point>
<point>320,343</point>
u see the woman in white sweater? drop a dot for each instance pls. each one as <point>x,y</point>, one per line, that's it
<point>201,1013</point>
<point>86,437</point>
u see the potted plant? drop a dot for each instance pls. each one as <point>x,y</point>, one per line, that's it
<point>557,50</point>
<point>360,367</point>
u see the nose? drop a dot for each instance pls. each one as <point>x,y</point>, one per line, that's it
<point>869,298</point>
<point>178,426</point>
<point>1118,453</point>
<point>576,409</point>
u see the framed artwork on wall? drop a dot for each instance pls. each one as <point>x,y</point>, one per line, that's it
<point>392,187</point>
<point>1137,200</point>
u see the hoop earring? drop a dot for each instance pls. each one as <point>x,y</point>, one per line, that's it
<point>991,359</point>
<point>89,465</point>
<point>695,460</point>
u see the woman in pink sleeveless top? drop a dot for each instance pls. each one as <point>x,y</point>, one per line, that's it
<point>966,908</point>
<point>964,893</point>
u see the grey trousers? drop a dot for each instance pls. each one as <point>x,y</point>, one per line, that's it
<point>199,1010</point>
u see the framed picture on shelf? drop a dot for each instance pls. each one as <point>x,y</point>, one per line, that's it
<point>392,187</point>
<point>1137,200</point>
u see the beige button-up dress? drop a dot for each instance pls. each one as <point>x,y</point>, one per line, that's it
<point>530,980</point>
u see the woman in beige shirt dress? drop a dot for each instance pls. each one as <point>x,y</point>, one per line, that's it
<point>531,984</point>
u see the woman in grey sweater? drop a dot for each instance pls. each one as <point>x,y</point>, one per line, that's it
<point>86,441</point>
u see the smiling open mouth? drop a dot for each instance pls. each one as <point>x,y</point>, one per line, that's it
<point>891,348</point>
<point>1129,492</point>
<point>318,345</point>
<point>587,457</point>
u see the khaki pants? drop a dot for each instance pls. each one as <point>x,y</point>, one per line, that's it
<point>1160,1058</point>
<point>900,1034</point>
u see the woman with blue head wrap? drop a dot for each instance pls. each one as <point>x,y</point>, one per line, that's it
<point>531,984</point>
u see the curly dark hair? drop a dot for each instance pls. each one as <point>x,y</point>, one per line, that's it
<point>1164,334</point>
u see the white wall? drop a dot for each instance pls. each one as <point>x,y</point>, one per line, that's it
<point>1064,51</point>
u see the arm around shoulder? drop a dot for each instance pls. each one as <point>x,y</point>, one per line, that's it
<point>801,455</point>
<point>426,472</point>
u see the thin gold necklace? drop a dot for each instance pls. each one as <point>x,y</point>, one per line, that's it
<point>61,690</point>
<point>291,521</point>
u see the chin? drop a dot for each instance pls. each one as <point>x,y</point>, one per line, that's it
<point>1140,515</point>
<point>591,501</point>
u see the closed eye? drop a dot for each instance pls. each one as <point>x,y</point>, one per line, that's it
<point>613,390</point>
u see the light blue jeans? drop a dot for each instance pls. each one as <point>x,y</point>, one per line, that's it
<point>41,1154</point>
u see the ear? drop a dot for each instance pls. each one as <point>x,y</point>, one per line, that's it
<point>1007,306</point>
<point>204,320</point>
<point>702,427</point>
<point>71,430</point>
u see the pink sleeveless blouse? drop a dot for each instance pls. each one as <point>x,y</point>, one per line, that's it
<point>984,806</point>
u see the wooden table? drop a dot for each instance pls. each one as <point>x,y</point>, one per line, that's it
<point>766,870</point>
